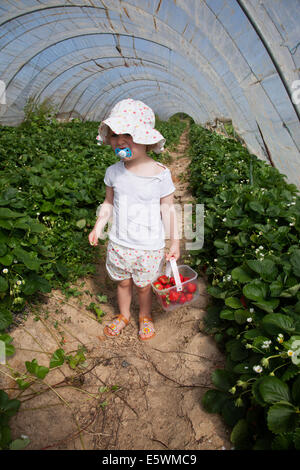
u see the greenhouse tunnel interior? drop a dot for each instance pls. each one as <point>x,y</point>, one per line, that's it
<point>232,60</point>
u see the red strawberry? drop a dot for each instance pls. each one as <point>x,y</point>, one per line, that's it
<point>189,297</point>
<point>158,286</point>
<point>173,296</point>
<point>172,281</point>
<point>191,287</point>
<point>243,301</point>
<point>182,299</point>
<point>163,279</point>
<point>186,279</point>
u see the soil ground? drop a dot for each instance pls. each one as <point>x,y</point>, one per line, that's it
<point>128,394</point>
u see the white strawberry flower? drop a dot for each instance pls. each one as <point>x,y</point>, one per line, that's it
<point>258,369</point>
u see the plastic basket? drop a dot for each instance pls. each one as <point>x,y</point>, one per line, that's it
<point>183,293</point>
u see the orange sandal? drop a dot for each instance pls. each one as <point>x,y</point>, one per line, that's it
<point>146,328</point>
<point>112,329</point>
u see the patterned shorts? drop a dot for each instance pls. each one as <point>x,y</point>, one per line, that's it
<point>123,263</point>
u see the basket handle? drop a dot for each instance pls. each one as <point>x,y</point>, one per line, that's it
<point>171,264</point>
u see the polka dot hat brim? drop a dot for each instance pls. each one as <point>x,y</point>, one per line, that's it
<point>134,118</point>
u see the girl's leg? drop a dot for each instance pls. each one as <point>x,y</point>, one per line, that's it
<point>124,293</point>
<point>124,296</point>
<point>145,302</point>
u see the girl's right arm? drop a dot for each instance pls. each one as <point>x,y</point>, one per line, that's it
<point>103,216</point>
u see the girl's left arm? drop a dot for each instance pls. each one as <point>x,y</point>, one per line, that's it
<point>169,219</point>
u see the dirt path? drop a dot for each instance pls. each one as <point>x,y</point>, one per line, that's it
<point>128,394</point>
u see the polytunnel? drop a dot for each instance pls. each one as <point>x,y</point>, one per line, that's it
<point>211,59</point>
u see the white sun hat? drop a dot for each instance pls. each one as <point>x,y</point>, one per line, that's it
<point>135,118</point>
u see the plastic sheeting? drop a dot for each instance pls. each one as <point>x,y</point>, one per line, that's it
<point>233,60</point>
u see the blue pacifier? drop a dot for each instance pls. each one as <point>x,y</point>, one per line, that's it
<point>122,153</point>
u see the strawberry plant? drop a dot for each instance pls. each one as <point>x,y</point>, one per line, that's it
<point>251,258</point>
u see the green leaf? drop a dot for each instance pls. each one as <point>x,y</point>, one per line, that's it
<point>57,358</point>
<point>9,348</point>
<point>81,223</point>
<point>291,292</point>
<point>22,384</point>
<point>5,435</point>
<point>19,444</point>
<point>296,439</point>
<point>62,269</point>
<point>46,206</point>
<point>257,207</point>
<point>231,413</point>
<point>6,318</point>
<point>36,227</point>
<point>222,379</point>
<point>267,305</point>
<point>275,323</point>
<point>227,314</point>
<point>251,334</point>
<point>240,275</point>
<point>216,292</point>
<point>236,350</point>
<point>30,287</point>
<point>255,290</point>
<point>41,283</point>
<point>295,262</point>
<point>77,359</point>
<point>35,283</point>
<point>241,316</point>
<point>3,284</point>
<point>9,407</point>
<point>296,391</point>
<point>291,371</point>
<point>281,442</point>
<point>102,298</point>
<point>233,302</point>
<point>266,268</point>
<point>213,400</point>
<point>273,390</point>
<point>282,417</point>
<point>3,249</point>
<point>240,435</point>
<point>6,223</point>
<point>49,191</point>
<point>276,288</point>
<point>28,259</point>
<point>34,368</point>
<point>6,213</point>
<point>7,259</point>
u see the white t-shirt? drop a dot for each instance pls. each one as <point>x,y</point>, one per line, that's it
<point>137,221</point>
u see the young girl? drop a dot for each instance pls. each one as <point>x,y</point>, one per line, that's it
<point>139,195</point>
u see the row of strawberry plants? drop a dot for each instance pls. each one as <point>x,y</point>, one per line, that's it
<point>51,181</point>
<point>251,258</point>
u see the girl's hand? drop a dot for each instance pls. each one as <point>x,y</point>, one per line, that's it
<point>93,239</point>
<point>174,251</point>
